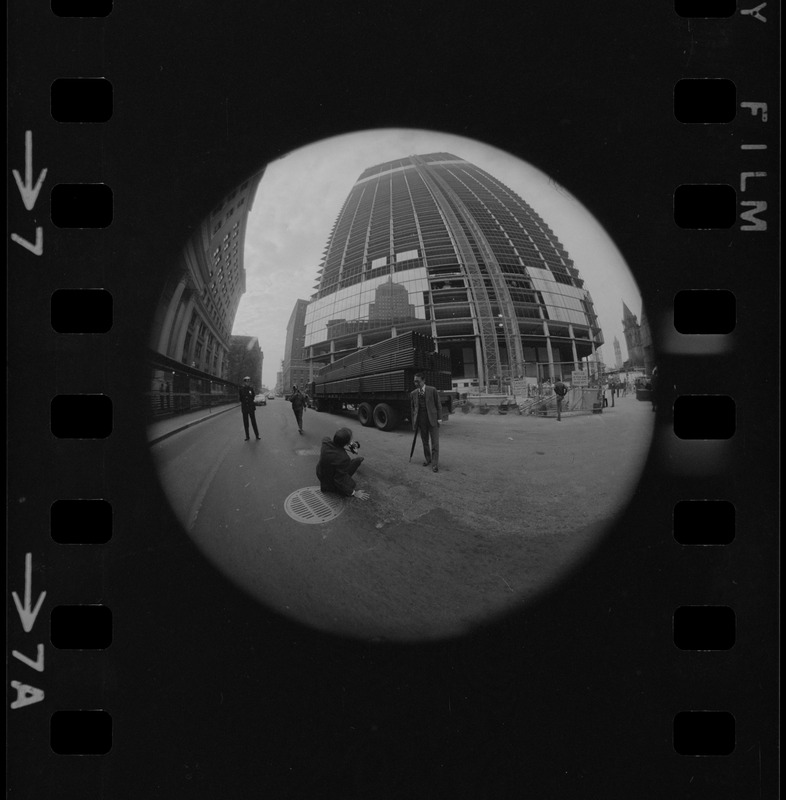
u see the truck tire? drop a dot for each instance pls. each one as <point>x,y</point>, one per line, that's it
<point>385,417</point>
<point>365,415</point>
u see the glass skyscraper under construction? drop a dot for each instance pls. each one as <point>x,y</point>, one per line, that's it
<point>436,244</point>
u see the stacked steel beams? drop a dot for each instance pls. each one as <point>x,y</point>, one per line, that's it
<point>387,366</point>
<point>398,381</point>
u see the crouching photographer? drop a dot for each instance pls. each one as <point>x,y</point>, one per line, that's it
<point>336,468</point>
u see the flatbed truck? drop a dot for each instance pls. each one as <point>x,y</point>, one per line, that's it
<point>377,380</point>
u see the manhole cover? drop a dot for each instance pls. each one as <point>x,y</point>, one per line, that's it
<point>311,506</point>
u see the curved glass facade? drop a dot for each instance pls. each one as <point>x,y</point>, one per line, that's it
<point>434,243</point>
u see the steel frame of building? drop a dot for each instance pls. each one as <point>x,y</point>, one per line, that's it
<point>492,309</point>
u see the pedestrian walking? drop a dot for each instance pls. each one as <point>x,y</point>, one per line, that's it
<point>425,413</point>
<point>560,390</point>
<point>298,400</point>
<point>336,467</point>
<point>247,407</point>
<point>654,388</point>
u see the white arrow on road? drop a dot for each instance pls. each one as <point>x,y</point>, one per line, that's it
<point>27,190</point>
<point>26,614</point>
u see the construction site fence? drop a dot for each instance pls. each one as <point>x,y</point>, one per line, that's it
<point>576,401</point>
<point>538,379</point>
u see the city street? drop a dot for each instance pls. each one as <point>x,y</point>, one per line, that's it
<point>518,499</point>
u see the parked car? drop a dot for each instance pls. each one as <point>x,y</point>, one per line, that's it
<point>260,400</point>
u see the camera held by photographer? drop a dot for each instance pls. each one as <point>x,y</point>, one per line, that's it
<point>336,467</point>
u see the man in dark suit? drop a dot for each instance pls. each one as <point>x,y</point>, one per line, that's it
<point>425,413</point>
<point>247,394</point>
<point>560,390</point>
<point>335,467</point>
<point>298,400</point>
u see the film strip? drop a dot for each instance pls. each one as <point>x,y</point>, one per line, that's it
<point>91,572</point>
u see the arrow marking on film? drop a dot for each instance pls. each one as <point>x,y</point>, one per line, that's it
<point>38,664</point>
<point>25,613</point>
<point>27,190</point>
<point>36,249</point>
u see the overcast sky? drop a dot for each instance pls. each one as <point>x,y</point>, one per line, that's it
<point>301,194</point>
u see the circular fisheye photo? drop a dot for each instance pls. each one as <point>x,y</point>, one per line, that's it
<point>400,385</point>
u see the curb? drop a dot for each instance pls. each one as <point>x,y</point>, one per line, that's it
<point>191,424</point>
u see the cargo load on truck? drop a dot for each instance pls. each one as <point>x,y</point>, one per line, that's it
<point>377,380</point>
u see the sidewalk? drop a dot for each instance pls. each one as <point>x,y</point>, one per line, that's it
<point>161,429</point>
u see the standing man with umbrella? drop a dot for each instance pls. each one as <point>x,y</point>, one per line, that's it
<point>425,412</point>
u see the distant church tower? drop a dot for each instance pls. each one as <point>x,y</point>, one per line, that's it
<point>632,331</point>
<point>617,353</point>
